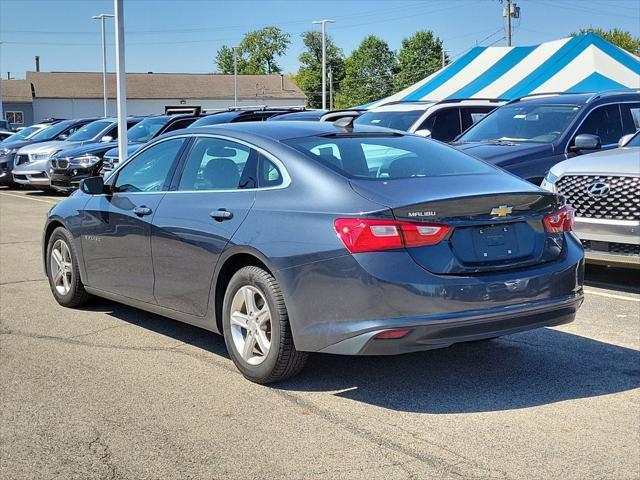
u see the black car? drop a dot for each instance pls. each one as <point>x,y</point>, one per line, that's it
<point>243,114</point>
<point>55,130</point>
<point>530,135</point>
<point>68,167</point>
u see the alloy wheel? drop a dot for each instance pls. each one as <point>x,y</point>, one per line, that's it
<point>251,324</point>
<point>61,267</point>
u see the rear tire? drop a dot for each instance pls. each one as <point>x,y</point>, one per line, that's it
<point>256,328</point>
<point>62,270</point>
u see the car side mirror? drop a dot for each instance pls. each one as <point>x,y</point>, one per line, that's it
<point>93,186</point>
<point>424,132</point>
<point>586,141</point>
<point>106,139</point>
<point>63,136</point>
<point>625,139</point>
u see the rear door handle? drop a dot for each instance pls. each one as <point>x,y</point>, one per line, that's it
<point>221,214</point>
<point>142,211</point>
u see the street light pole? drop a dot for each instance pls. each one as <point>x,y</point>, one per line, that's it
<point>324,60</point>
<point>102,18</point>
<point>235,75</point>
<point>121,83</point>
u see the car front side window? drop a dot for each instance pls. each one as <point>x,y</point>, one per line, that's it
<point>149,171</point>
<point>605,122</point>
<point>218,164</point>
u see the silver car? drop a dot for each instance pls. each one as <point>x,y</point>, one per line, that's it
<point>32,162</point>
<point>604,188</point>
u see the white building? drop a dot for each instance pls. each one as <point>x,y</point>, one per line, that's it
<point>79,94</point>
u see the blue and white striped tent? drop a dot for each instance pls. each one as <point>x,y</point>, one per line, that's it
<point>584,63</point>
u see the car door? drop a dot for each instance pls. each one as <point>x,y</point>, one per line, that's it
<point>116,227</point>
<point>209,199</point>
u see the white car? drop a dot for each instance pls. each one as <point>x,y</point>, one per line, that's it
<point>442,121</point>
<point>604,188</point>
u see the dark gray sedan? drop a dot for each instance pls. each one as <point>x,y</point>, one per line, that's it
<point>297,237</point>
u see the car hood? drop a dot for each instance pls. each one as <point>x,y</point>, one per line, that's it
<point>90,149</point>
<point>620,161</point>
<point>506,154</point>
<point>131,149</point>
<point>47,147</point>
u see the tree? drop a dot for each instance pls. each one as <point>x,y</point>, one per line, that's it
<point>257,53</point>
<point>621,38</point>
<point>419,57</point>
<point>309,76</point>
<point>369,72</point>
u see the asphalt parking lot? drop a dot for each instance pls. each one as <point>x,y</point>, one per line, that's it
<point>111,392</point>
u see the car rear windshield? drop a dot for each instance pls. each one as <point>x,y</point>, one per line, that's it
<point>522,122</point>
<point>146,129</point>
<point>400,120</point>
<point>89,131</point>
<point>386,157</point>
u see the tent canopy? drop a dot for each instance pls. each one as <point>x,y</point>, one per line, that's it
<point>584,63</point>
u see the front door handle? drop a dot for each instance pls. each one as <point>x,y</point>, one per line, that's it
<point>221,215</point>
<point>142,211</point>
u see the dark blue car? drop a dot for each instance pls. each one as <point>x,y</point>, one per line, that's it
<point>297,237</point>
<point>530,135</point>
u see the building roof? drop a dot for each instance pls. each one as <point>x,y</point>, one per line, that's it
<point>16,91</point>
<point>164,86</point>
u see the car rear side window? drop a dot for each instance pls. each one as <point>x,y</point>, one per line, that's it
<point>148,171</point>
<point>218,164</point>
<point>387,157</point>
<point>268,173</point>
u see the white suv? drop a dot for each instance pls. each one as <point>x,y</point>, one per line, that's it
<point>442,121</point>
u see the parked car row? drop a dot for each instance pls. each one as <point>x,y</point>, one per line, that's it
<point>528,137</point>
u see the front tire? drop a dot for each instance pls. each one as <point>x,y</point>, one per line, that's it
<point>63,272</point>
<point>256,328</point>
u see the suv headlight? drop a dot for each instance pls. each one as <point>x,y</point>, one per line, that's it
<point>84,161</point>
<point>549,182</point>
<point>7,151</point>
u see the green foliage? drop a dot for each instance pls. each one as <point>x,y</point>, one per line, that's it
<point>621,38</point>
<point>419,57</point>
<point>309,76</point>
<point>257,54</point>
<point>369,72</point>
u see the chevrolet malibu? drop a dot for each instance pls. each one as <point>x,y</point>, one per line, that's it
<point>297,237</point>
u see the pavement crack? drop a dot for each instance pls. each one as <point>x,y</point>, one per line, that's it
<point>99,448</point>
<point>23,281</point>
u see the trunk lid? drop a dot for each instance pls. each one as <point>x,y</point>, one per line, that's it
<point>496,220</point>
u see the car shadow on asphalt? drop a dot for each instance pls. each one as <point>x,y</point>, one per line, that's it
<point>528,369</point>
<point>612,278</point>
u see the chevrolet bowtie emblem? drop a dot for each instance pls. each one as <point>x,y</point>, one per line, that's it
<point>501,211</point>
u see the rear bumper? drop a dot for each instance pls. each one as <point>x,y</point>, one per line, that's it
<point>440,332</point>
<point>610,242</point>
<point>339,305</point>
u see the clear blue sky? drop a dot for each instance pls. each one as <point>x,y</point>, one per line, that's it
<point>184,35</point>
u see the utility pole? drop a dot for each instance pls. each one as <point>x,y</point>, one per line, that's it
<point>235,75</point>
<point>102,18</point>
<point>324,60</point>
<point>444,58</point>
<point>1,110</point>
<point>121,84</point>
<point>509,11</point>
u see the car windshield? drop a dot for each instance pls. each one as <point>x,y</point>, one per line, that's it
<point>385,157</point>
<point>522,122</point>
<point>25,133</point>
<point>51,132</point>
<point>635,141</point>
<point>398,120</point>
<point>89,131</point>
<point>146,129</point>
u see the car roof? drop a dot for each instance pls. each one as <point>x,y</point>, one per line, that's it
<point>285,130</point>
<point>577,98</point>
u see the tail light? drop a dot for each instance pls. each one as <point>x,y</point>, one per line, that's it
<point>560,221</point>
<point>371,235</point>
